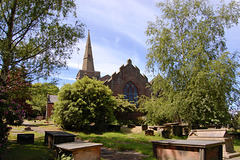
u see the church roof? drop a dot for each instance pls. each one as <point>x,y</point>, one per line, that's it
<point>88,57</point>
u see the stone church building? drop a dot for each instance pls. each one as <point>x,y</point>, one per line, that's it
<point>128,81</point>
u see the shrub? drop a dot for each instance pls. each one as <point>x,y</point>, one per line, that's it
<point>86,102</point>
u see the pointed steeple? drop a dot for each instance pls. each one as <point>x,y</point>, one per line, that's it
<point>88,65</point>
<point>88,57</point>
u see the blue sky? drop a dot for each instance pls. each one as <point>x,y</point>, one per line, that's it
<point>117,34</point>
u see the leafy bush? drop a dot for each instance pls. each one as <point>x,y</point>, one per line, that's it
<point>84,103</point>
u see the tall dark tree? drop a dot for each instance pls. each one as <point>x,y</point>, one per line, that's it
<point>197,74</point>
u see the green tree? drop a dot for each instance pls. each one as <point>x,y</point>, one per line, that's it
<point>83,103</point>
<point>35,41</point>
<point>196,74</point>
<point>39,94</point>
<point>34,37</point>
<point>12,105</point>
<point>123,106</point>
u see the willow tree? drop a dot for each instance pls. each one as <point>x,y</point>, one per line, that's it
<point>196,73</point>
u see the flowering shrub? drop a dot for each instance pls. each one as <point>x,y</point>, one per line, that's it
<point>11,113</point>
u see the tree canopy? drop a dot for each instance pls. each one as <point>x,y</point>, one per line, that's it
<point>196,74</point>
<point>38,98</point>
<point>34,37</point>
<point>35,42</point>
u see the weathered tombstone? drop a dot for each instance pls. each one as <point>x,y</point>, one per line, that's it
<point>215,135</point>
<point>149,132</point>
<point>25,138</point>
<point>82,150</point>
<point>187,150</point>
<point>185,130</point>
<point>114,128</point>
<point>131,125</point>
<point>177,130</point>
<point>57,137</point>
<point>153,128</point>
<point>164,132</point>
<point>144,127</point>
<point>27,129</point>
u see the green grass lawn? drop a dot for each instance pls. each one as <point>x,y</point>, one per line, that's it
<point>123,142</point>
<point>115,140</point>
<point>36,151</point>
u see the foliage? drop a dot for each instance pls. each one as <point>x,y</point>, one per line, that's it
<point>196,74</point>
<point>34,43</point>
<point>39,93</point>
<point>65,157</point>
<point>123,105</point>
<point>11,113</point>
<point>85,102</point>
<point>156,113</point>
<point>34,37</point>
<point>12,104</point>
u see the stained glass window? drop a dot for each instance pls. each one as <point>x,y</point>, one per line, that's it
<point>130,92</point>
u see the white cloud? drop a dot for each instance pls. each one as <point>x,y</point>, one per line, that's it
<point>128,17</point>
<point>66,78</point>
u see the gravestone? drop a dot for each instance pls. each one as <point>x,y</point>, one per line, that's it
<point>114,128</point>
<point>149,132</point>
<point>27,129</point>
<point>177,130</point>
<point>25,138</point>
<point>215,135</point>
<point>144,127</point>
<point>164,131</point>
<point>131,125</point>
<point>187,150</point>
<point>82,150</point>
<point>57,137</point>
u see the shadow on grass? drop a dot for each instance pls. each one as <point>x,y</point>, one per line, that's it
<point>36,151</point>
<point>36,125</point>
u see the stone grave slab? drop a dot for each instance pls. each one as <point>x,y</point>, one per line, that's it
<point>82,150</point>
<point>215,135</point>
<point>57,137</point>
<point>25,138</point>
<point>187,150</point>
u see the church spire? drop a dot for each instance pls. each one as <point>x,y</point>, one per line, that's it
<point>88,57</point>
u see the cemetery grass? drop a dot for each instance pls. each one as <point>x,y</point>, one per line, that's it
<point>36,151</point>
<point>236,143</point>
<point>123,142</point>
<point>116,141</point>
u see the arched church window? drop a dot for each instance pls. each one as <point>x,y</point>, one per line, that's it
<point>130,92</point>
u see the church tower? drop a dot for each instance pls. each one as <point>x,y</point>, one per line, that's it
<point>88,65</point>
